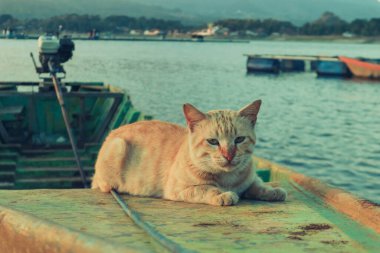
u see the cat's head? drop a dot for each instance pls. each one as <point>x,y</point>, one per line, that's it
<point>222,140</point>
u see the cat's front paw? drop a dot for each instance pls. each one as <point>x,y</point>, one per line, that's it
<point>225,199</point>
<point>277,194</point>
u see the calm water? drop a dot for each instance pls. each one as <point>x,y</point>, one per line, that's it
<point>325,128</point>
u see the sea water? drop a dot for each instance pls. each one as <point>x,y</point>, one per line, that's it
<point>325,128</point>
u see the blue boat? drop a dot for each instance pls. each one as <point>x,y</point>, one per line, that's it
<point>265,65</point>
<point>332,68</point>
<point>289,65</point>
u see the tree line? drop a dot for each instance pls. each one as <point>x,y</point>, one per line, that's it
<point>86,23</point>
<point>327,24</point>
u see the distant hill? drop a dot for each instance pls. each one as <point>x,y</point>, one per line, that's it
<point>296,11</point>
<point>197,11</point>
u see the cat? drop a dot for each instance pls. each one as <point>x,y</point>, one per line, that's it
<point>209,161</point>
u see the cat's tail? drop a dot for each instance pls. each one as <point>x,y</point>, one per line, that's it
<point>109,165</point>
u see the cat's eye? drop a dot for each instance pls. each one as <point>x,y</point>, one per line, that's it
<point>213,142</point>
<point>239,139</point>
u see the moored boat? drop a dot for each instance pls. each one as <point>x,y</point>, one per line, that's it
<point>35,150</point>
<point>263,65</point>
<point>362,69</point>
<point>35,145</point>
<point>315,218</point>
<point>332,68</point>
<point>324,66</point>
<point>50,131</point>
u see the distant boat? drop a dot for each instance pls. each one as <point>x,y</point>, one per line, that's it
<point>197,38</point>
<point>332,68</point>
<point>324,66</point>
<point>263,65</point>
<point>361,68</point>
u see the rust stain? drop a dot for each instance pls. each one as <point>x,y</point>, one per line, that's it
<point>334,242</point>
<point>309,229</point>
<point>298,233</point>
<point>266,212</point>
<point>293,237</point>
<point>218,223</point>
<point>271,231</point>
<point>315,226</point>
<point>205,224</point>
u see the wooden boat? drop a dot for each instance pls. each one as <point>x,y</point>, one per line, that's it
<point>314,218</point>
<point>34,148</point>
<point>361,68</point>
<point>35,153</point>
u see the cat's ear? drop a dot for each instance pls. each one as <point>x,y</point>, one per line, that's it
<point>192,115</point>
<point>250,111</point>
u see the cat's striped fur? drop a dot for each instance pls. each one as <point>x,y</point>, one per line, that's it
<point>209,162</point>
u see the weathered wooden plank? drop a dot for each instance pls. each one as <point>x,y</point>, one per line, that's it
<point>306,222</point>
<point>11,110</point>
<point>21,232</point>
<point>84,211</point>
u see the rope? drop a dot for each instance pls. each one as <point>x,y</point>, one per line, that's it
<point>151,231</point>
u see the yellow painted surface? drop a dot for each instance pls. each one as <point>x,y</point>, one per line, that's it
<point>21,232</point>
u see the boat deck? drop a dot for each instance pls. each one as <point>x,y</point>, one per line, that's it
<point>35,149</point>
<point>93,222</point>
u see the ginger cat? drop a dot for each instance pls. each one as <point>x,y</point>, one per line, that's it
<point>208,162</point>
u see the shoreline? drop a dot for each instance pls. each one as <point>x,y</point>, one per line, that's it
<point>334,39</point>
<point>295,38</point>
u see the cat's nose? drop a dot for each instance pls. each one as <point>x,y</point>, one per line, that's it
<point>228,154</point>
<point>229,158</point>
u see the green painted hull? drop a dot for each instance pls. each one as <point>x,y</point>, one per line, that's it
<point>315,218</point>
<point>34,147</point>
